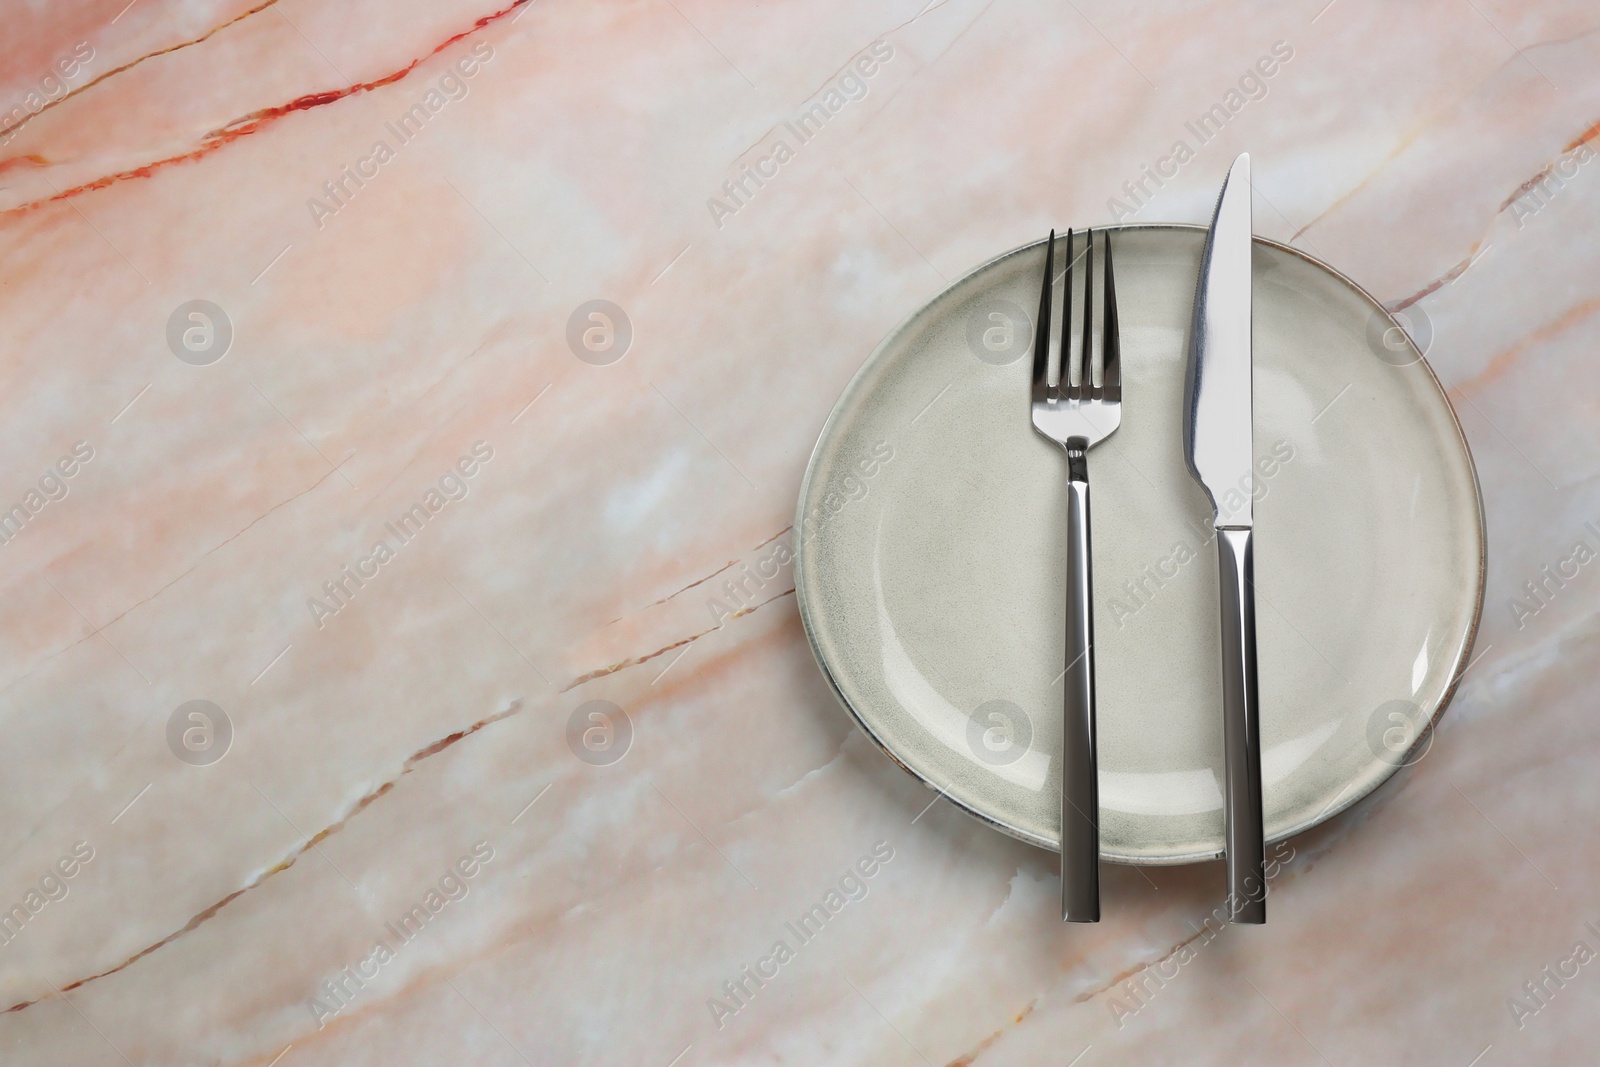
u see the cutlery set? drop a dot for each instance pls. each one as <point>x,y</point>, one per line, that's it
<point>1082,409</point>
<point>932,602</point>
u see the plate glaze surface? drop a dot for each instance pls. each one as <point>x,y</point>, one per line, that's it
<point>931,567</point>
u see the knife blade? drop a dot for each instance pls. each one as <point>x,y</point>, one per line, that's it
<point>1217,427</point>
<point>1220,447</point>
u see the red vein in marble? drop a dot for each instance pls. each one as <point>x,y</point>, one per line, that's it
<point>1410,138</point>
<point>969,1058</point>
<point>86,86</point>
<point>257,120</point>
<point>1589,134</point>
<point>1500,363</point>
<point>1116,980</point>
<point>601,672</point>
<point>1441,281</point>
<point>702,581</point>
<point>1582,139</point>
<point>1339,201</point>
<point>713,574</point>
<point>428,977</point>
<point>288,861</point>
<point>406,768</point>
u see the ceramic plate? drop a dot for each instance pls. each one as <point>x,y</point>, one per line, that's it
<point>931,568</point>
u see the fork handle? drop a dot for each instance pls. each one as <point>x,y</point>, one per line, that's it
<point>1080,787</point>
<point>1241,730</point>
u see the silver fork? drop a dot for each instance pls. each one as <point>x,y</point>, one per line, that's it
<point>1078,412</point>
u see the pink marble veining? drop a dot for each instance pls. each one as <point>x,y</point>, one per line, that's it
<point>622,535</point>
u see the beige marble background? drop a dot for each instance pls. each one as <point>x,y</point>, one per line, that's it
<point>373,749</point>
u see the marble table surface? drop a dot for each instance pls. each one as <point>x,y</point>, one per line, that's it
<point>400,661</point>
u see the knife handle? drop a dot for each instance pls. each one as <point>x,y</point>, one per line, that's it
<point>1080,787</point>
<point>1241,734</point>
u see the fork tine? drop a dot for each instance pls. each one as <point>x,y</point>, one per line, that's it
<point>1041,333</point>
<point>1113,334</point>
<point>1064,379</point>
<point>1085,359</point>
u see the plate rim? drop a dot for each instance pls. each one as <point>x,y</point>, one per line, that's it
<point>1458,669</point>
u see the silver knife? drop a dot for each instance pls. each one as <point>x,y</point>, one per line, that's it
<point>1221,456</point>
